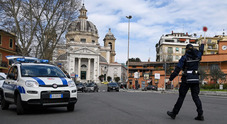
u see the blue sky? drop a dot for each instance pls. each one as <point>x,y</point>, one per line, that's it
<point>153,18</point>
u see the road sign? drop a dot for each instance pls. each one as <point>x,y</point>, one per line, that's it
<point>137,75</point>
<point>205,29</point>
<point>72,75</point>
<point>156,76</point>
<point>146,76</point>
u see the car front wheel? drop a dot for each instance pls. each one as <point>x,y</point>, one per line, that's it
<point>20,107</point>
<point>70,107</point>
<point>4,103</point>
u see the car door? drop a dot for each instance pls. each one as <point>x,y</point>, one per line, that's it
<point>10,83</point>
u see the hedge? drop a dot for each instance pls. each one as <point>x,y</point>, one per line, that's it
<point>213,86</point>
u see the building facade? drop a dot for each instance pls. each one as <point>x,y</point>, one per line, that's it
<point>7,47</point>
<point>171,47</point>
<point>149,70</point>
<point>82,56</point>
<point>211,46</point>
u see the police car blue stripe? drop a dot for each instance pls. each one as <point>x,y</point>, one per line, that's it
<point>64,81</point>
<point>39,81</point>
<point>21,89</point>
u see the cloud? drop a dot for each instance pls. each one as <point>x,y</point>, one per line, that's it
<point>153,18</point>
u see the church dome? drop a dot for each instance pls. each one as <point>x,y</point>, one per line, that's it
<point>82,24</point>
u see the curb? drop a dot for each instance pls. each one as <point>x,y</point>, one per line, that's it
<point>210,93</point>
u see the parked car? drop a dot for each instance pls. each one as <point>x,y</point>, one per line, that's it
<point>81,87</point>
<point>105,82</point>
<point>122,85</point>
<point>150,87</point>
<point>92,87</point>
<point>2,78</point>
<point>112,86</point>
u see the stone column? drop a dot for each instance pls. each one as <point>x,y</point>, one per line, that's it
<point>108,56</point>
<point>94,73</point>
<point>89,69</point>
<point>79,68</point>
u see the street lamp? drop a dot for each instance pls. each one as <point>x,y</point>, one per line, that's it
<point>128,17</point>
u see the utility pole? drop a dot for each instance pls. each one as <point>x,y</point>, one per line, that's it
<point>128,17</point>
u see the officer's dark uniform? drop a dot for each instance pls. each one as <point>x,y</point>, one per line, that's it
<point>190,79</point>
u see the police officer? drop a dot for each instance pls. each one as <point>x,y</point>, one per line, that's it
<point>189,64</point>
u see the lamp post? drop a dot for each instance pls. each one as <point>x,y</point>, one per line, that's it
<point>128,17</point>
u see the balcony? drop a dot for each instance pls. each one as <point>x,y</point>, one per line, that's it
<point>213,47</point>
<point>209,42</point>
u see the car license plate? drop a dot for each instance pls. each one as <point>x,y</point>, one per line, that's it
<point>114,88</point>
<point>56,96</point>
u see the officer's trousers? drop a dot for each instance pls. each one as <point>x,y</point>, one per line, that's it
<point>184,87</point>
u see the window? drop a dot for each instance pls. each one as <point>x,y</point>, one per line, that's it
<point>0,39</point>
<point>83,40</point>
<point>13,72</point>
<point>210,47</point>
<point>169,58</point>
<point>170,50</point>
<point>72,39</point>
<point>110,44</point>
<point>11,43</point>
<point>212,52</point>
<point>177,49</point>
<point>93,41</point>
<point>183,50</point>
<point>177,58</point>
<point>209,41</point>
<point>169,40</point>
<point>41,71</point>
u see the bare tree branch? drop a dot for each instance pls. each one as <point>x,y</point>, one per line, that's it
<point>38,24</point>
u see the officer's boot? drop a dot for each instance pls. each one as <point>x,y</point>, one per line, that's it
<point>171,114</point>
<point>200,118</point>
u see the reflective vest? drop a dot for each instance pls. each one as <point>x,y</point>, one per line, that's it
<point>191,70</point>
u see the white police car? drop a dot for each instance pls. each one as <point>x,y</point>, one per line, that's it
<point>37,84</point>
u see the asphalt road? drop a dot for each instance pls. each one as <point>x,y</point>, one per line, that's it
<point>123,108</point>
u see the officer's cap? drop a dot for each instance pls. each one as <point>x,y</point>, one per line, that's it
<point>189,46</point>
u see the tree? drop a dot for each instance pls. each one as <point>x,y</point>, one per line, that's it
<point>109,78</point>
<point>101,78</point>
<point>117,79</point>
<point>133,60</point>
<point>38,24</point>
<point>202,74</point>
<point>223,79</point>
<point>216,73</point>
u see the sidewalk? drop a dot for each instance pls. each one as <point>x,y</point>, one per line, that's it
<point>210,93</point>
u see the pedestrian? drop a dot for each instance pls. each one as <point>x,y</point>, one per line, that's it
<point>189,64</point>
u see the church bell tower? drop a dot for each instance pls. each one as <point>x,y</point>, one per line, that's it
<point>109,40</point>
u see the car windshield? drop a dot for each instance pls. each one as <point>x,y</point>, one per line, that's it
<point>41,71</point>
<point>91,85</point>
<point>113,84</point>
<point>80,84</point>
<point>2,78</point>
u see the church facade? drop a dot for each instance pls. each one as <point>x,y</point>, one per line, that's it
<point>83,57</point>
